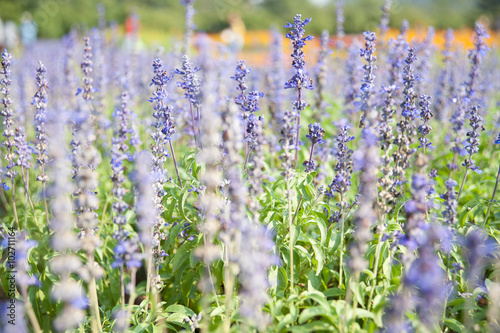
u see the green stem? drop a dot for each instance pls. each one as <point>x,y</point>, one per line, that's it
<point>228,287</point>
<point>377,260</point>
<point>131,300</point>
<point>492,197</point>
<point>463,183</point>
<point>29,310</point>
<point>291,233</point>
<point>175,162</point>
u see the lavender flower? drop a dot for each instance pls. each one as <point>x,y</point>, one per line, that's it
<point>426,277</point>
<point>476,57</point>
<point>386,137</point>
<point>368,78</point>
<point>450,202</point>
<point>384,20</point>
<point>162,124</point>
<point>476,123</point>
<point>275,93</point>
<point>145,207</point>
<point>367,161</point>
<point>446,86</point>
<point>479,249</point>
<point>191,85</point>
<point>343,168</point>
<point>406,126</point>
<point>189,25</point>
<point>425,129</point>
<point>67,290</point>
<point>40,102</point>
<point>316,134</point>
<point>351,86</point>
<point>339,14</point>
<point>299,80</point>
<point>7,113</point>
<point>321,72</point>
<point>425,51</point>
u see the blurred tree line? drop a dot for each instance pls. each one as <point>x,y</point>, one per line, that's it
<point>57,17</point>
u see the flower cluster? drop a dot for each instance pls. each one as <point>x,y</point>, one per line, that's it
<point>40,102</point>
<point>425,128</point>
<point>299,80</point>
<point>476,123</point>
<point>316,134</point>
<point>7,113</point>
<point>343,168</point>
<point>386,136</point>
<point>369,113</point>
<point>162,115</point>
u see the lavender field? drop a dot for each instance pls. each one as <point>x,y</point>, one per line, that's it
<point>189,190</point>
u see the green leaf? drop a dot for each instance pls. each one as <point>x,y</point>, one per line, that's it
<point>177,308</point>
<point>454,324</point>
<point>311,313</point>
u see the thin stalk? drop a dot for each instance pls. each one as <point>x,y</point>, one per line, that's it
<point>312,152</point>
<point>45,201</point>
<point>4,200</point>
<point>445,303</point>
<point>492,197</point>
<point>463,183</point>
<point>247,155</point>
<point>131,300</point>
<point>228,288</point>
<point>199,122</point>
<point>291,232</point>
<point>354,306</point>
<point>341,247</point>
<point>26,184</point>
<point>14,203</point>
<point>94,301</point>
<point>298,130</point>
<point>377,260</point>
<point>122,287</point>
<point>175,162</point>
<point>297,209</point>
<point>29,310</point>
<point>194,126</point>
<point>210,277</point>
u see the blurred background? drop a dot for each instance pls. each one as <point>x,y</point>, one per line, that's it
<point>56,17</point>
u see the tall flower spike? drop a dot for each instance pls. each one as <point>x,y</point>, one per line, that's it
<point>366,159</point>
<point>40,102</point>
<point>384,20</point>
<point>447,77</point>
<point>386,136</point>
<point>343,168</point>
<point>191,85</point>
<point>339,14</point>
<point>299,80</point>
<point>275,93</point>
<point>476,124</point>
<point>189,25</point>
<point>369,113</point>
<point>450,202</point>
<point>162,115</point>
<point>67,291</point>
<point>425,128</point>
<point>406,126</point>
<point>476,56</point>
<point>7,114</point>
<point>321,73</point>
